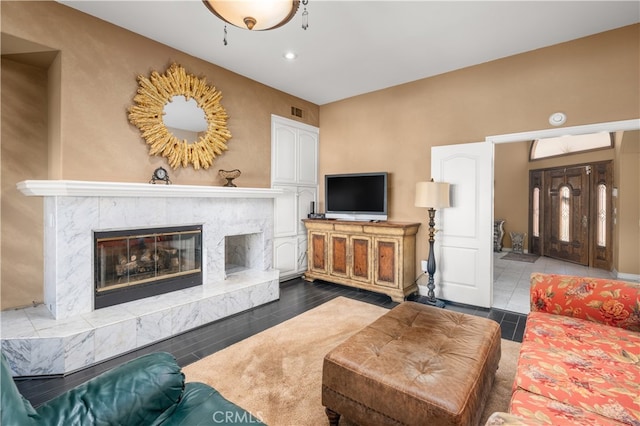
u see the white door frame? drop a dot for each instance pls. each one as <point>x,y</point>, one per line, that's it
<point>612,126</point>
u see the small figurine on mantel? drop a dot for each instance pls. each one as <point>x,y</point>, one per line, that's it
<point>229,175</point>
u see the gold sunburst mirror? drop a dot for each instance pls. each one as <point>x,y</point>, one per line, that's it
<point>156,95</point>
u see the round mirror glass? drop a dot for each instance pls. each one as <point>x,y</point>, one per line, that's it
<point>184,118</point>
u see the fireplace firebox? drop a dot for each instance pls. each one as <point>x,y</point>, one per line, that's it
<point>136,263</point>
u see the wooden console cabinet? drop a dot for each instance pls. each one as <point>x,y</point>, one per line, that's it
<point>379,257</point>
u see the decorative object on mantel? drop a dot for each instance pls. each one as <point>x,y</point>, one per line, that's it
<point>147,114</point>
<point>160,174</point>
<point>229,175</point>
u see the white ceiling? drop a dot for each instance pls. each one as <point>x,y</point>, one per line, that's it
<point>355,47</point>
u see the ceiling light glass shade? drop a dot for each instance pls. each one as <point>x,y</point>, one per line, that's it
<point>256,15</point>
<point>433,195</point>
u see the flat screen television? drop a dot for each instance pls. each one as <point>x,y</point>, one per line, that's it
<point>356,196</point>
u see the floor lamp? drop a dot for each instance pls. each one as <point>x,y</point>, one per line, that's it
<point>433,195</point>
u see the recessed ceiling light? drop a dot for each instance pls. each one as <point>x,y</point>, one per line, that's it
<point>290,56</point>
<point>557,119</point>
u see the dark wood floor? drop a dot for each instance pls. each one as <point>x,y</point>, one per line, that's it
<point>296,297</point>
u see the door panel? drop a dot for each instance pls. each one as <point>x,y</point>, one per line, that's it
<point>464,242</point>
<point>386,268</point>
<point>307,157</point>
<point>284,254</point>
<point>602,254</point>
<point>339,255</point>
<point>284,154</point>
<point>318,249</point>
<point>361,258</point>
<point>285,219</point>
<point>536,211</point>
<point>567,215</point>
<point>302,253</point>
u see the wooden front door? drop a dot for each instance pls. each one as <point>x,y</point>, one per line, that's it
<point>570,213</point>
<point>567,216</point>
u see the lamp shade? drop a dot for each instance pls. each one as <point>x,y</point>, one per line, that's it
<point>433,195</point>
<point>257,15</point>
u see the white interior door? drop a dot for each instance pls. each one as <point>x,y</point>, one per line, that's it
<point>464,241</point>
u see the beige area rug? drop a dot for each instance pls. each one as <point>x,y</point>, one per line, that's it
<point>277,374</point>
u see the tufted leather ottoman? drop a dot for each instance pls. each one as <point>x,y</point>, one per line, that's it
<point>416,365</point>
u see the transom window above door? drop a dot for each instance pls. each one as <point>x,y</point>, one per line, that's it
<point>570,144</point>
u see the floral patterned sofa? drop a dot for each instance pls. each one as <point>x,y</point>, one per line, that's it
<point>580,358</point>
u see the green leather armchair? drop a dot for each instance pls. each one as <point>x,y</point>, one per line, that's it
<point>149,390</point>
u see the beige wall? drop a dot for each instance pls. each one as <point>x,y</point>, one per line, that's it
<point>627,180</point>
<point>592,80</point>
<point>88,87</point>
<point>99,66</point>
<point>92,81</point>
<point>510,186</point>
<point>24,156</point>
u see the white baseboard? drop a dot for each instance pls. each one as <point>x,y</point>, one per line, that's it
<point>626,277</point>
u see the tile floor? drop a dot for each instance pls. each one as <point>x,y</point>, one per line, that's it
<point>511,279</point>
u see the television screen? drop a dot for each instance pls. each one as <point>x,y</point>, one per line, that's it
<point>356,196</point>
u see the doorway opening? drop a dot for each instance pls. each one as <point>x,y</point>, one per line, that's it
<point>513,294</point>
<point>467,271</point>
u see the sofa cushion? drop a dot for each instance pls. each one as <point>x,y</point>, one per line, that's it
<point>586,364</point>
<point>611,302</point>
<point>551,412</point>
<point>134,393</point>
<point>14,408</point>
<point>203,405</point>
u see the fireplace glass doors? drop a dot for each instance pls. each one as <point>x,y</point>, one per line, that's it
<point>133,264</point>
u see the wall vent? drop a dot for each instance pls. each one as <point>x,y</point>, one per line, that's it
<point>296,112</point>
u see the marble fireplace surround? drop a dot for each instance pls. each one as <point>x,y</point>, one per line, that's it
<point>66,334</point>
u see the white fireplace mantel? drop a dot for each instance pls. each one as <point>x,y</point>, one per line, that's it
<point>76,188</point>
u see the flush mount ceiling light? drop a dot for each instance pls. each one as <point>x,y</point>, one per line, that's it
<point>256,15</point>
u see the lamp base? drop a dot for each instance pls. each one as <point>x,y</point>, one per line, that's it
<point>427,301</point>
